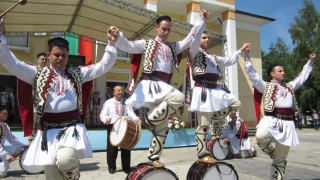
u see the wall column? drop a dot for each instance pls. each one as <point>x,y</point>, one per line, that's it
<point>229,29</point>
<point>151,5</point>
<point>193,12</point>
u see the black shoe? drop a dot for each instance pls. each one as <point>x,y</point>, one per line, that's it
<point>128,171</point>
<point>111,171</point>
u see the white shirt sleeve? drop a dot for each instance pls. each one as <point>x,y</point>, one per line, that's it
<point>18,68</point>
<point>135,47</point>
<point>254,77</point>
<point>130,113</point>
<point>12,139</point>
<point>229,60</point>
<point>95,70</point>
<point>303,76</point>
<point>193,36</point>
<point>105,114</point>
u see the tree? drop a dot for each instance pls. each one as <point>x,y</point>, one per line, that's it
<point>305,35</point>
<point>278,54</point>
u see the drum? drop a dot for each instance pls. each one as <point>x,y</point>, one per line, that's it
<point>148,172</point>
<point>29,169</point>
<point>216,171</point>
<point>220,150</point>
<point>125,133</point>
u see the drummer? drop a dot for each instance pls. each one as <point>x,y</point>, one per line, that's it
<point>112,109</point>
<point>7,153</point>
<point>236,133</point>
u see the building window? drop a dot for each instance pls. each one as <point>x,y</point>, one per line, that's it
<point>18,40</point>
<point>122,54</point>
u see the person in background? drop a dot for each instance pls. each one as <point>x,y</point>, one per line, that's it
<point>299,119</point>
<point>7,100</point>
<point>236,133</point>
<point>315,118</point>
<point>7,153</point>
<point>42,60</point>
<point>111,111</point>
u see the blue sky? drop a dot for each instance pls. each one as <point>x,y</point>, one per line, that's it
<point>281,10</point>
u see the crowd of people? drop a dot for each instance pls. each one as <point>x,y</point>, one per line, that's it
<point>60,138</point>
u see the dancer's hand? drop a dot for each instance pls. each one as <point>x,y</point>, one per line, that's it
<point>139,121</point>
<point>113,33</point>
<point>10,158</point>
<point>246,46</point>
<point>204,13</point>
<point>225,140</point>
<point>313,57</point>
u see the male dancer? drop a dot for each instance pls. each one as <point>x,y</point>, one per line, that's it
<point>211,102</point>
<point>280,104</point>
<point>154,90</point>
<point>61,139</point>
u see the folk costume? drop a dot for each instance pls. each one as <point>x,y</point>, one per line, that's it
<point>154,90</point>
<point>211,101</point>
<point>14,150</point>
<point>113,109</point>
<point>277,125</point>
<point>237,134</point>
<point>61,139</point>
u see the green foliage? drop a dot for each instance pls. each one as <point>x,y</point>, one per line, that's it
<point>305,35</point>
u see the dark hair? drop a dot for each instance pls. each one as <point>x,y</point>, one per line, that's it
<point>163,18</point>
<point>58,41</point>
<point>204,32</point>
<point>2,108</point>
<point>41,54</point>
<point>273,66</point>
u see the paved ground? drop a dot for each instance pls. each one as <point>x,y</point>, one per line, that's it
<point>303,162</point>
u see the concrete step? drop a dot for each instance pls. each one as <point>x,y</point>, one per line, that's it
<point>251,131</point>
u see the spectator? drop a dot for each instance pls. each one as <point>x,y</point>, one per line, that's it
<point>315,119</point>
<point>7,153</point>
<point>7,100</point>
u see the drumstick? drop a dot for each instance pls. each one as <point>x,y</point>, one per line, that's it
<point>22,2</point>
<point>119,123</point>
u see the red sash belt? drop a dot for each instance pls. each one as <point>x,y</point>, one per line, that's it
<point>282,113</point>
<point>207,76</point>
<point>211,86</point>
<point>210,80</point>
<point>60,117</point>
<point>156,76</point>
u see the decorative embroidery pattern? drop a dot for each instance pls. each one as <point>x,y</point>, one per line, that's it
<point>75,76</point>
<point>270,96</point>
<point>45,77</point>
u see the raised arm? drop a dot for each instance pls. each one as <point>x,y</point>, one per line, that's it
<point>194,34</point>
<point>254,77</point>
<point>304,74</point>
<point>107,61</point>
<point>135,47</point>
<point>18,68</point>
<point>230,60</point>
